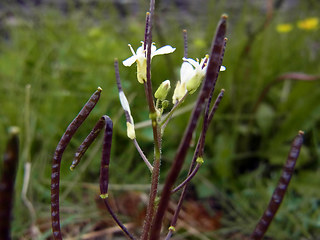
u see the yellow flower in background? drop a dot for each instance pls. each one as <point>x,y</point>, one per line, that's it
<point>308,23</point>
<point>284,28</point>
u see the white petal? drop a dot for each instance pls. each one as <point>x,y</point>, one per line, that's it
<point>163,50</point>
<point>222,68</point>
<point>129,61</point>
<point>191,61</point>
<point>124,102</point>
<point>140,50</point>
<point>153,48</point>
<point>186,72</point>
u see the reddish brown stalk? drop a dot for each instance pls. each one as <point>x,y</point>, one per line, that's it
<point>87,142</point>
<point>207,86</point>
<point>104,172</point>
<point>56,163</point>
<point>8,178</point>
<point>155,128</point>
<point>188,179</point>
<point>280,190</point>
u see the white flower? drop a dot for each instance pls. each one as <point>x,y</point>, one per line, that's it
<point>191,75</point>
<point>140,57</point>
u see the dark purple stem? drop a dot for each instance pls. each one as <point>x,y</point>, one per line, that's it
<point>207,86</point>
<point>280,190</point>
<point>188,179</point>
<point>8,178</point>
<point>56,163</point>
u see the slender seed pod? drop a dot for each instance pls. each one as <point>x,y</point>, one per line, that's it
<point>7,181</point>
<point>104,172</point>
<point>105,160</point>
<point>280,190</point>
<point>56,162</point>
<point>87,142</point>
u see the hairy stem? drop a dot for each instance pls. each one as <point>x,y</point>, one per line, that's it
<point>155,128</point>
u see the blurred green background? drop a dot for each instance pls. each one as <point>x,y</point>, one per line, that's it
<point>54,54</point>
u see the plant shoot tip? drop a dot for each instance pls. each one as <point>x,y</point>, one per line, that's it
<point>72,167</point>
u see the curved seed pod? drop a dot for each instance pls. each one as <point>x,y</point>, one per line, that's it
<point>280,190</point>
<point>9,172</point>
<point>56,162</point>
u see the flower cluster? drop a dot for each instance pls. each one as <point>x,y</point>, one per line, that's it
<point>192,72</point>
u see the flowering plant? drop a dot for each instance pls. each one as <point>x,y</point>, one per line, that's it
<point>193,74</point>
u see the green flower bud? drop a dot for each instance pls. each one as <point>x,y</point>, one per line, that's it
<point>163,90</point>
<point>165,104</point>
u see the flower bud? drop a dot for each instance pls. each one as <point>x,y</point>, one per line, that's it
<point>130,131</point>
<point>179,92</point>
<point>165,104</point>
<point>163,90</point>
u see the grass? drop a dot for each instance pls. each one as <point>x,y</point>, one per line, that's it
<point>65,56</point>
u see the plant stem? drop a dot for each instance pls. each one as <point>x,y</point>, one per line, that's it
<point>155,128</point>
<point>87,142</point>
